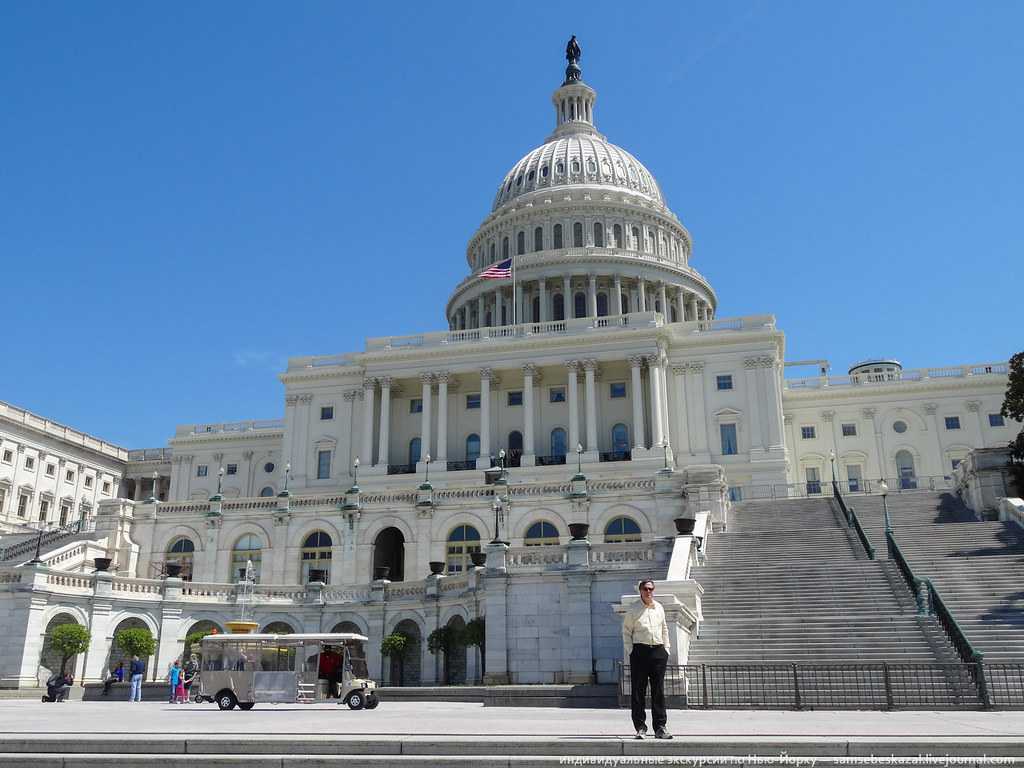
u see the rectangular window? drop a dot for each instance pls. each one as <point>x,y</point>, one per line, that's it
<point>44,510</point>
<point>65,513</point>
<point>88,482</point>
<point>724,381</point>
<point>996,420</point>
<point>617,389</point>
<point>232,469</point>
<point>952,422</point>
<point>813,481</point>
<point>50,470</point>
<point>326,412</point>
<point>69,476</point>
<point>202,470</point>
<point>515,398</point>
<point>728,432</point>
<point>849,430</point>
<point>853,477</point>
<point>956,463</point>
<point>30,462</point>
<point>323,465</point>
<point>807,433</point>
<point>106,488</point>
<point>23,505</point>
<point>416,405</point>
<point>556,395</point>
<point>8,456</point>
<point>473,402</point>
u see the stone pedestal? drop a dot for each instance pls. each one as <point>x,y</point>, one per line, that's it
<point>497,650</point>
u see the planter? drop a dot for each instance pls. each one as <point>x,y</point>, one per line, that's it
<point>381,572</point>
<point>437,567</point>
<point>173,570</point>
<point>102,563</point>
<point>579,530</point>
<point>479,558</point>
<point>684,525</point>
<point>317,575</point>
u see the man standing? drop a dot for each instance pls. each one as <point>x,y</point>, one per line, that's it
<point>646,642</point>
<point>138,669</point>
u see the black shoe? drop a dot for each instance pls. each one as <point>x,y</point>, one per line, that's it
<point>661,733</point>
<point>641,732</point>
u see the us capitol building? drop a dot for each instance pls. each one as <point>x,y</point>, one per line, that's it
<point>600,388</point>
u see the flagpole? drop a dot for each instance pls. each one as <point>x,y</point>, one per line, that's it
<point>515,304</point>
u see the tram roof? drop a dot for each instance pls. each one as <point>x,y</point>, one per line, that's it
<point>323,637</point>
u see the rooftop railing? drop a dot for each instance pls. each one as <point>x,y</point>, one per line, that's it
<point>251,425</point>
<point>60,431</point>
<point>868,379</point>
<point>150,454</point>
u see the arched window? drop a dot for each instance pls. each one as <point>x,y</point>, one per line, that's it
<point>538,239</point>
<point>602,304</point>
<point>616,235</point>
<point>316,556</point>
<point>266,491</point>
<point>598,234</point>
<point>541,534</point>
<point>672,312</point>
<point>624,302</point>
<point>504,248</point>
<point>558,442</point>
<point>515,447</point>
<point>620,438</point>
<point>580,305</point>
<point>247,548</point>
<point>181,552</point>
<point>621,529</point>
<point>557,236</point>
<point>535,309</point>
<point>462,542</point>
<point>577,235</point>
<point>389,552</point>
<point>414,451</point>
<point>558,307</point>
<point>472,447</point>
<point>636,239</point>
<point>520,243</point>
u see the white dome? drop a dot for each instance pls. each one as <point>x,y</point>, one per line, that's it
<point>578,158</point>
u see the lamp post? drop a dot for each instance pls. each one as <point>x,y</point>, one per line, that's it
<point>497,507</point>
<point>37,560</point>
<point>355,472</point>
<point>152,496</point>
<point>832,459</point>
<point>287,472</point>
<point>664,448</point>
<point>579,458</point>
<point>884,489</point>
<point>426,462</point>
<point>220,479</point>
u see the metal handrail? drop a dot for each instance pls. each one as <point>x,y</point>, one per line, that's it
<point>852,521</point>
<point>49,537</point>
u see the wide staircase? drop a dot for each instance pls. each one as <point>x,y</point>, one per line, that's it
<point>788,584</point>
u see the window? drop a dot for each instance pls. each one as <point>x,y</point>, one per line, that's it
<point>620,438</point>
<point>952,422</point>
<point>520,243</point>
<point>899,427</point>
<point>853,477</point>
<point>996,420</point>
<point>636,238</point>
<point>414,450</point>
<point>598,234</point>
<point>182,551</point>
<point>577,235</point>
<point>956,463</point>
<point>556,235</point>
<point>326,412</point>
<point>538,239</point>
<point>323,465</point>
<point>65,513</point>
<point>232,469</point>
<point>8,456</point>
<point>813,480</point>
<point>202,470</point>
<point>473,447</point>
<point>849,430</point>
<point>472,402</point>
<point>616,235</point>
<point>23,505</point>
<point>88,482</point>
<point>724,381</point>
<point>602,304</point>
<point>266,491</point>
<point>247,549</point>
<point>504,248</point>
<point>515,398</point>
<point>556,395</point>
<point>106,487</point>
<point>268,467</point>
<point>558,442</point>
<point>580,304</point>
<point>462,542</point>
<point>541,534</point>
<point>728,434</point>
<point>316,556</point>
<point>416,405</point>
<point>51,470</point>
<point>808,433</point>
<point>558,307</point>
<point>617,389</point>
<point>69,476</point>
<point>621,529</point>
<point>30,462</point>
<point>44,509</point>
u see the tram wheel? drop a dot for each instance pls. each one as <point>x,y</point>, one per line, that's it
<point>355,700</point>
<point>226,700</point>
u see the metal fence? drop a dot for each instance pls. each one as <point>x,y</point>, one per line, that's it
<point>820,488</point>
<point>839,686</point>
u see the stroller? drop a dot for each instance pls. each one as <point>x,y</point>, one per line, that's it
<point>58,688</point>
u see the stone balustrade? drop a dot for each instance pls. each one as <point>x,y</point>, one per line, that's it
<point>910,375</point>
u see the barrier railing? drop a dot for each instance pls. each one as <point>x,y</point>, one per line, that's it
<point>852,521</point>
<point>816,489</point>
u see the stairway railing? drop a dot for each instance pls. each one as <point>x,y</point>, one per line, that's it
<point>852,521</point>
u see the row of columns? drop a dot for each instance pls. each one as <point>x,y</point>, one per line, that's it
<point>642,298</point>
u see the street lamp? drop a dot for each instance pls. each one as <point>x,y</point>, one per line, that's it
<point>884,489</point>
<point>220,478</point>
<point>579,458</point>
<point>498,507</point>
<point>287,473</point>
<point>355,472</point>
<point>152,496</point>
<point>664,448</point>
<point>426,462</point>
<point>37,560</point>
<point>832,458</point>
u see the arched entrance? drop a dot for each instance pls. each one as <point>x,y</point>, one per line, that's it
<point>905,470</point>
<point>456,661</point>
<point>357,649</point>
<point>119,655</point>
<point>406,671</point>
<point>49,659</point>
<point>389,551</point>
<point>196,633</point>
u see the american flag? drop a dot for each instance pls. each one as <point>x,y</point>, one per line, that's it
<point>498,271</point>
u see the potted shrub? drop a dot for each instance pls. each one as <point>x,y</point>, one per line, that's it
<point>579,530</point>
<point>437,567</point>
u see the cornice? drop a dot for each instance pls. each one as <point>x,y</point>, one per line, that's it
<point>897,390</point>
<point>225,437</point>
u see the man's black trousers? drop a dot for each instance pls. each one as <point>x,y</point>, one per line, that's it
<point>647,666</point>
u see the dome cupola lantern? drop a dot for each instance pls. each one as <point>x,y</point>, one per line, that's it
<point>574,100</point>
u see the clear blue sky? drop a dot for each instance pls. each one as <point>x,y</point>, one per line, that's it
<point>192,192</point>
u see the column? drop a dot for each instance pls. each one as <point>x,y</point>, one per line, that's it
<point>367,448</point>
<point>518,311</point>
<point>615,305</point>
<point>384,443</point>
<point>589,369</point>
<point>663,298</point>
<point>567,302</point>
<point>486,374</point>
<point>774,436</point>
<point>529,370</point>
<point>696,415</point>
<point>426,379</point>
<point>931,410</point>
<point>682,433</point>
<point>442,420</point>
<point>665,421</point>
<point>496,311</point>
<point>680,305</point>
<point>658,436</point>
<point>542,295</point>
<point>574,413</point>
<point>641,294</point>
<point>869,415</point>
<point>480,314</point>
<point>592,296</point>
<point>974,406</point>
<point>750,366</point>
<point>637,394</point>
<point>691,307</point>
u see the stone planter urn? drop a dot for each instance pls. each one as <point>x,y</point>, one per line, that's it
<point>102,563</point>
<point>684,525</point>
<point>437,567</point>
<point>173,570</point>
<point>381,572</point>
<point>579,531</point>
<point>479,558</point>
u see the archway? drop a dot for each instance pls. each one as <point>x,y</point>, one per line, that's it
<point>905,470</point>
<point>406,671</point>
<point>456,660</point>
<point>357,649</point>
<point>195,634</point>
<point>49,659</point>
<point>389,551</point>
<point>118,655</point>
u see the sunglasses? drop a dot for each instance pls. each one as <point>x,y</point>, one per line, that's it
<point>646,589</point>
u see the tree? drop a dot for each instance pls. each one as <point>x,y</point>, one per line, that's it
<point>397,645</point>
<point>193,640</point>
<point>444,640</point>
<point>136,642</point>
<point>475,634</point>
<point>1013,408</point>
<point>69,640</point>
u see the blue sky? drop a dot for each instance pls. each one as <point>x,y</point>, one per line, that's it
<point>192,192</point>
